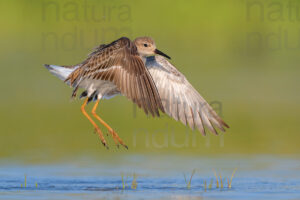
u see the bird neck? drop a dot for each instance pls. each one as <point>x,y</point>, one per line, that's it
<point>143,57</point>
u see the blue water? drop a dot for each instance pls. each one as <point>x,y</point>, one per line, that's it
<point>158,177</point>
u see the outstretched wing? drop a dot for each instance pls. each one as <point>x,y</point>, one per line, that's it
<point>180,99</point>
<point>120,63</point>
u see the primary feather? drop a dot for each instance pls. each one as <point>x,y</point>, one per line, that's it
<point>180,99</point>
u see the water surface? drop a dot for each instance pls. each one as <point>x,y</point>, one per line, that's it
<point>158,177</point>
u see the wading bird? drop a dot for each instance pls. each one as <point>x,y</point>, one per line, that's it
<point>139,71</point>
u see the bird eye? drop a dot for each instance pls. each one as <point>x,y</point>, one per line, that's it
<point>145,45</point>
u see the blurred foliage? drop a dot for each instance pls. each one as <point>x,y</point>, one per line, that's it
<point>242,54</point>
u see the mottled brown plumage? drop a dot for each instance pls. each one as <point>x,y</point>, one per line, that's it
<point>137,70</point>
<point>120,63</point>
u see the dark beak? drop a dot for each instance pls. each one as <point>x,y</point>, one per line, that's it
<point>161,53</point>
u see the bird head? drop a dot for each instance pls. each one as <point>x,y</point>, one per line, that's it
<point>146,47</point>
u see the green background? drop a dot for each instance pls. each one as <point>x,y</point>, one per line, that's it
<point>242,55</point>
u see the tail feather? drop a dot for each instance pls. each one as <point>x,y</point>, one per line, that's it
<point>60,71</point>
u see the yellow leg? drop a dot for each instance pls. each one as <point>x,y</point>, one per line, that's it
<point>93,123</point>
<point>111,131</point>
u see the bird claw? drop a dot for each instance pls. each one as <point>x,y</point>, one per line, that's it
<point>117,143</point>
<point>105,145</point>
<point>113,133</point>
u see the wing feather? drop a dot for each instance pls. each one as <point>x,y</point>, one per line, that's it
<point>180,100</point>
<point>120,63</point>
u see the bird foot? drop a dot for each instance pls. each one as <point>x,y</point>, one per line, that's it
<point>117,139</point>
<point>105,144</point>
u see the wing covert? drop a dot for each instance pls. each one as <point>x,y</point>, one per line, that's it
<point>119,62</point>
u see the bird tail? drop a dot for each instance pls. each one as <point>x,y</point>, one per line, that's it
<point>62,72</point>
